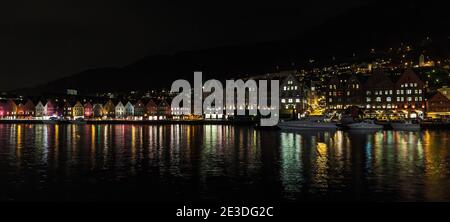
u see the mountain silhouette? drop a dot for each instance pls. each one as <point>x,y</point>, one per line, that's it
<point>375,25</point>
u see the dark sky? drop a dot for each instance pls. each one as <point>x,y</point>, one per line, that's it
<point>48,39</point>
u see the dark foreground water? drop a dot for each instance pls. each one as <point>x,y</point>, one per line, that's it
<point>219,163</point>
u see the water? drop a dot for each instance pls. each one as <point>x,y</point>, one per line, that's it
<point>219,163</point>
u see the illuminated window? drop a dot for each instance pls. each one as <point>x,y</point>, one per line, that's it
<point>368,99</point>
<point>283,100</point>
<point>388,99</point>
<point>297,100</point>
<point>378,99</point>
<point>290,100</point>
<point>409,99</point>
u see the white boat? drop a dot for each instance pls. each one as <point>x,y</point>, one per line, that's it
<point>307,124</point>
<point>365,125</point>
<point>405,125</point>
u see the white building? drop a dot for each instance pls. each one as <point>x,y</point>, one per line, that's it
<point>40,111</point>
<point>120,110</point>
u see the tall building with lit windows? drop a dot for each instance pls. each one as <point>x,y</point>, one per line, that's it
<point>379,95</point>
<point>409,95</point>
<point>335,94</point>
<point>291,97</point>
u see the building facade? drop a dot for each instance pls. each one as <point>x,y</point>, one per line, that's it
<point>291,97</point>
<point>78,110</point>
<point>409,95</point>
<point>120,110</point>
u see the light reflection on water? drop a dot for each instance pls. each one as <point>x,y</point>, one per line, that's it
<point>181,162</point>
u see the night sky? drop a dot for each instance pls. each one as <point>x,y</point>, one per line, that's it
<point>45,40</point>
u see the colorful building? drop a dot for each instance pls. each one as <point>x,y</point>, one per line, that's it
<point>50,109</point>
<point>109,109</point>
<point>88,110</point>
<point>78,110</point>
<point>129,110</point>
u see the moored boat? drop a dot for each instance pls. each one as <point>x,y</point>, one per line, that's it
<point>364,125</point>
<point>307,124</point>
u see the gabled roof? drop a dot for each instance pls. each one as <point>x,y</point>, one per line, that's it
<point>409,76</point>
<point>438,97</point>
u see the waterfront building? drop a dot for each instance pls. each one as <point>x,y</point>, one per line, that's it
<point>438,106</point>
<point>11,109</point>
<point>78,110</point>
<point>409,95</point>
<point>120,110</point>
<point>97,110</point>
<point>164,110</point>
<point>29,109</point>
<point>379,93</point>
<point>139,110</point>
<point>151,110</point>
<point>20,113</point>
<point>291,97</point>
<point>50,109</point>
<point>129,110</point>
<point>335,94</point>
<point>2,110</point>
<point>88,110</point>
<point>109,109</point>
<point>39,110</point>
<point>354,92</point>
<point>67,110</point>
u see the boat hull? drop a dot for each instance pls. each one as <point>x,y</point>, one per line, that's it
<point>306,127</point>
